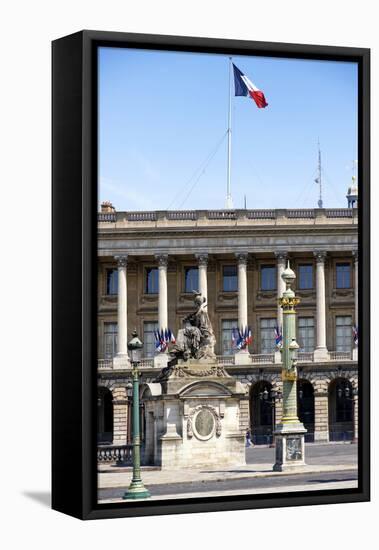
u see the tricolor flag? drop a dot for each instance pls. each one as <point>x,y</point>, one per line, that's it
<point>355,335</point>
<point>241,339</point>
<point>163,338</point>
<point>278,337</point>
<point>243,86</point>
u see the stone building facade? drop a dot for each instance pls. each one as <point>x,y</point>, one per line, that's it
<point>151,262</point>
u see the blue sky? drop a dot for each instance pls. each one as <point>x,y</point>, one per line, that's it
<point>163,118</point>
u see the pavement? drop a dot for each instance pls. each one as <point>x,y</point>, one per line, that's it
<point>332,466</point>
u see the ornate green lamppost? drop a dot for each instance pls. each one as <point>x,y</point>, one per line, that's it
<point>136,488</point>
<point>289,434</point>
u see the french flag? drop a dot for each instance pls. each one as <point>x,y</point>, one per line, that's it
<point>243,86</point>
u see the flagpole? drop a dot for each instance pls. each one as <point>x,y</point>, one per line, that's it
<point>229,201</point>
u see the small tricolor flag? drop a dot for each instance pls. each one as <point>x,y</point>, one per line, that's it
<point>163,338</point>
<point>355,335</point>
<point>244,87</point>
<point>278,337</point>
<point>242,338</point>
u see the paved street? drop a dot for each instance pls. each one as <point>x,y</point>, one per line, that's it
<point>328,467</point>
<point>245,485</point>
<point>331,453</point>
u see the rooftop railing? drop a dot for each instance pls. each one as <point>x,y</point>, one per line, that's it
<point>231,215</point>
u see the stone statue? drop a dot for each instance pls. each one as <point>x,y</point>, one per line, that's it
<point>196,339</point>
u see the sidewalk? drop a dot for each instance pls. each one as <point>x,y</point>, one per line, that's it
<point>238,492</point>
<point>113,477</point>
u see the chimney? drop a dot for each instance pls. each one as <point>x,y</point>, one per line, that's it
<point>107,207</point>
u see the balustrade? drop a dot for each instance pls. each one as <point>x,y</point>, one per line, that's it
<point>120,454</point>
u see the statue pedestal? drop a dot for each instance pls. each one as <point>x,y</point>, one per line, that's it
<point>289,447</point>
<point>242,357</point>
<point>160,360</point>
<point>195,420</point>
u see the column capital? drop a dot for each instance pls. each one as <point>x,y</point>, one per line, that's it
<point>355,254</point>
<point>242,257</point>
<point>122,260</point>
<point>281,255</point>
<point>202,258</point>
<point>320,255</point>
<point>162,259</point>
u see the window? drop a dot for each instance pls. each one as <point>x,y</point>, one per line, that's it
<point>191,279</point>
<point>344,403</point>
<point>229,278</point>
<point>268,277</point>
<point>149,327</point>
<point>112,281</point>
<point>306,334</point>
<point>151,283</point>
<point>226,336</point>
<point>305,276</point>
<point>268,335</point>
<point>110,340</point>
<point>343,276</point>
<point>343,333</point>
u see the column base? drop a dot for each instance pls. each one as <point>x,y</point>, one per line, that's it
<point>290,448</point>
<point>136,490</point>
<point>242,357</point>
<point>321,436</point>
<point>121,361</point>
<point>161,360</point>
<point>278,357</point>
<point>320,354</point>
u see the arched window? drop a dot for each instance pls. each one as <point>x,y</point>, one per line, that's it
<point>341,426</point>
<point>104,415</point>
<point>306,407</point>
<point>261,413</point>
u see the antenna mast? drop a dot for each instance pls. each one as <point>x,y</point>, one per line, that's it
<point>318,179</point>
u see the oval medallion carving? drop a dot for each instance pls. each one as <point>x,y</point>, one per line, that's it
<point>204,424</point>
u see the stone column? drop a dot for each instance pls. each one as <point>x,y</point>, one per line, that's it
<point>242,357</point>
<point>281,286</point>
<point>120,416</point>
<point>321,415</point>
<point>162,285</point>
<point>202,259</point>
<point>355,255</point>
<point>160,360</point>
<point>242,290</point>
<point>355,419</point>
<point>321,351</point>
<point>121,360</point>
<point>356,312</point>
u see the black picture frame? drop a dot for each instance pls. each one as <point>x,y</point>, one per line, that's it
<point>74,205</point>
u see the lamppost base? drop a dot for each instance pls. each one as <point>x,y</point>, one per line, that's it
<point>136,490</point>
<point>290,448</point>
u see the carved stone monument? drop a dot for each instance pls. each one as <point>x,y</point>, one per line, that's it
<point>192,409</point>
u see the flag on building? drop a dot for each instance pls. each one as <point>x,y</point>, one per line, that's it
<point>241,339</point>
<point>244,87</point>
<point>163,338</point>
<point>278,337</point>
<point>355,335</point>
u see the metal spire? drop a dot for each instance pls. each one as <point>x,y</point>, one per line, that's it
<point>229,200</point>
<point>318,180</point>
